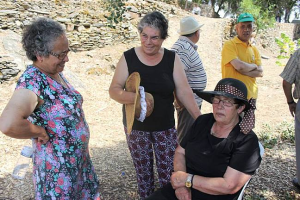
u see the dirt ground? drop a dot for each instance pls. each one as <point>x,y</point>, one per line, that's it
<point>90,72</point>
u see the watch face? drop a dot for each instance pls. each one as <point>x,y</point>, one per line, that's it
<point>188,184</point>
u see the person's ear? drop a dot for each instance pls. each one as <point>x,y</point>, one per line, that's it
<point>39,58</point>
<point>241,108</point>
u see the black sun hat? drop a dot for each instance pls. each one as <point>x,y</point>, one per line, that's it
<point>227,87</point>
<point>235,89</point>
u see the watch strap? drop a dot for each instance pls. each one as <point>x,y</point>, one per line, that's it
<point>189,179</point>
<point>192,180</point>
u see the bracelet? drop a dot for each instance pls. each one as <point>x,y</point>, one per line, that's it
<point>291,102</point>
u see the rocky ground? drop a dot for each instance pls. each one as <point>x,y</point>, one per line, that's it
<point>91,73</point>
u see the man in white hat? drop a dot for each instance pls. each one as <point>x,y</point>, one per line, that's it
<point>186,48</point>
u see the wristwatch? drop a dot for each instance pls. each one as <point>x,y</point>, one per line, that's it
<point>189,181</point>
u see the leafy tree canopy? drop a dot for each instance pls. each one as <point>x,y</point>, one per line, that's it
<point>233,6</point>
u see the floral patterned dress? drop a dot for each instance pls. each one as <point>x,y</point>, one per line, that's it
<point>62,168</point>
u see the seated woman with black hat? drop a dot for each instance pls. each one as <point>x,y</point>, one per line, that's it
<point>220,153</point>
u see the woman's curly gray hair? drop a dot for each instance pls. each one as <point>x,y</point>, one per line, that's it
<point>39,37</point>
<point>155,20</point>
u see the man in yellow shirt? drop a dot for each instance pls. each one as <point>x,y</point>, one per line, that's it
<point>240,59</point>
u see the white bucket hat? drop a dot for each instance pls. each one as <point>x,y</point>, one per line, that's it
<point>189,25</point>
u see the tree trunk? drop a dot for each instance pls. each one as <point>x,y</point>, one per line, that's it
<point>287,16</point>
<point>214,14</point>
<point>186,3</point>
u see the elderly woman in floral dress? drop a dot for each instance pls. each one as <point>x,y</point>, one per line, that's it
<point>46,107</point>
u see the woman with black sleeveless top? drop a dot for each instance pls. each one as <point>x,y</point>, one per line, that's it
<point>161,74</point>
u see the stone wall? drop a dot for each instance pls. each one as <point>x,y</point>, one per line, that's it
<point>87,26</point>
<point>85,22</point>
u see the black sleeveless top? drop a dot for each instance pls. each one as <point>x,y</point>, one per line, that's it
<point>158,81</point>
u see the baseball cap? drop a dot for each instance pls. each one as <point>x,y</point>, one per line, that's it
<point>245,17</point>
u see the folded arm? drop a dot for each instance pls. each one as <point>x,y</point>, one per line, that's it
<point>247,69</point>
<point>13,121</point>
<point>231,183</point>
<point>179,159</point>
<point>179,165</point>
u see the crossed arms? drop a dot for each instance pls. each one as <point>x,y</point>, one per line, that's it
<point>247,69</point>
<point>232,181</point>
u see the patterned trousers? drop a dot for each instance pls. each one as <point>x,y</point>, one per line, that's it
<point>141,145</point>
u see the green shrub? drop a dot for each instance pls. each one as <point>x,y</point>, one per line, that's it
<point>116,9</point>
<point>286,46</point>
<point>270,136</point>
<point>287,131</point>
<point>264,17</point>
<point>267,137</point>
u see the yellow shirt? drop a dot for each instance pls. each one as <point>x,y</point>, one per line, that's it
<point>233,49</point>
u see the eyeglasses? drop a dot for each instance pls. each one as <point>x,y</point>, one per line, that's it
<point>60,56</point>
<point>226,103</point>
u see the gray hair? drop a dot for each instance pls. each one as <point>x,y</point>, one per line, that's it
<point>155,20</point>
<point>39,37</point>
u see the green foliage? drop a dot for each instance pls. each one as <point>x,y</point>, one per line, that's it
<point>271,136</point>
<point>267,137</point>
<point>253,197</point>
<point>287,131</point>
<point>289,196</point>
<point>286,46</point>
<point>264,194</point>
<point>232,6</point>
<point>264,16</point>
<point>168,1</point>
<point>116,9</point>
<point>183,3</point>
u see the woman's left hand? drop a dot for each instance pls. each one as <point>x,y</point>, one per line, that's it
<point>178,179</point>
<point>183,193</point>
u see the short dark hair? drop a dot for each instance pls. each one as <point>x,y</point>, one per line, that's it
<point>39,37</point>
<point>155,20</point>
<point>191,34</point>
